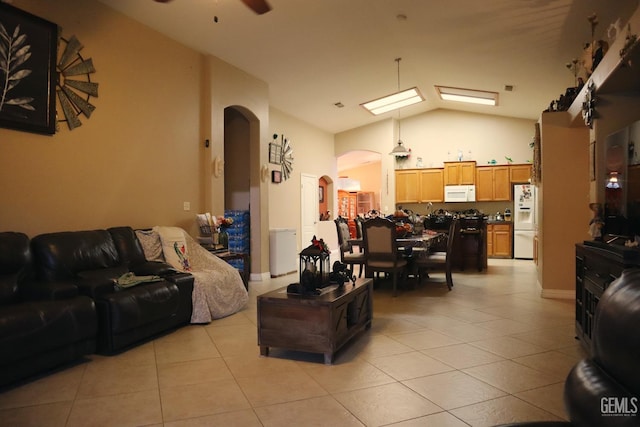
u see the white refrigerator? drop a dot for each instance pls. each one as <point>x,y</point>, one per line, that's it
<point>524,206</point>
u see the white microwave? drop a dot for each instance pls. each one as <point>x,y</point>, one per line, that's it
<point>459,193</point>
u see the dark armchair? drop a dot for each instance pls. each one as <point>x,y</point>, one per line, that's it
<point>603,390</point>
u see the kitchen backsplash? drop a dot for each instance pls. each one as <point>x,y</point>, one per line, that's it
<point>488,208</point>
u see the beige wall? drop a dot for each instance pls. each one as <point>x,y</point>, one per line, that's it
<point>313,155</point>
<point>136,160</point>
<point>563,194</point>
<point>436,136</point>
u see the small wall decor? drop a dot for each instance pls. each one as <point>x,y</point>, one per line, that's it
<point>589,104</point>
<point>276,177</point>
<point>275,151</point>
<point>281,154</point>
<point>75,87</point>
<point>287,158</point>
<point>28,47</point>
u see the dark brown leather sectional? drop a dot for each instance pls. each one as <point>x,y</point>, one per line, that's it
<point>58,299</point>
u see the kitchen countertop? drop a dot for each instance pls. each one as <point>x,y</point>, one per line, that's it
<point>499,222</point>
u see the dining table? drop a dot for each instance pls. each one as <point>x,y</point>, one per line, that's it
<point>407,244</point>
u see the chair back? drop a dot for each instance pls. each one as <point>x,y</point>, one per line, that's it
<point>380,239</point>
<point>342,228</point>
<point>454,230</point>
<point>359,221</point>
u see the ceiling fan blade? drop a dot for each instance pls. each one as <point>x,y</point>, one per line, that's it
<point>258,6</point>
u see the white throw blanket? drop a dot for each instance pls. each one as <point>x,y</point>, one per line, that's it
<point>218,290</point>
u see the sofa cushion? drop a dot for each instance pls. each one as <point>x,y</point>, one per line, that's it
<point>62,255</point>
<point>151,244</point>
<point>140,305</point>
<point>174,247</point>
<point>31,328</point>
<point>99,282</point>
<point>14,259</point>
<point>127,244</point>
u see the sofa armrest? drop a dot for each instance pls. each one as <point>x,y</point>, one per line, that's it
<point>35,290</point>
<point>184,281</point>
<point>153,268</point>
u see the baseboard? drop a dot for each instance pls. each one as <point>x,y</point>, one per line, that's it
<point>259,277</point>
<point>558,293</point>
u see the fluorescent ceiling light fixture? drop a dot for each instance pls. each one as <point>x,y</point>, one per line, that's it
<point>394,101</point>
<point>467,95</point>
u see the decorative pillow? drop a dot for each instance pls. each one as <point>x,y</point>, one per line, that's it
<point>151,244</point>
<point>174,246</point>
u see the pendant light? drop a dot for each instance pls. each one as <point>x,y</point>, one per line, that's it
<point>399,150</point>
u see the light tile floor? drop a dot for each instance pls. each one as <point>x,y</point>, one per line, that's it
<point>490,351</point>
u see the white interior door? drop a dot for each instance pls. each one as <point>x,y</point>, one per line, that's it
<point>308,209</point>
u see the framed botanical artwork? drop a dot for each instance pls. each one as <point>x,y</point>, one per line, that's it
<point>28,52</point>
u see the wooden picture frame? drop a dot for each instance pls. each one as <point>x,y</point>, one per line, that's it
<point>592,161</point>
<point>321,194</point>
<point>276,177</point>
<point>30,98</point>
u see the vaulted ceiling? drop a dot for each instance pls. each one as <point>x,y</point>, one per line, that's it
<point>314,54</point>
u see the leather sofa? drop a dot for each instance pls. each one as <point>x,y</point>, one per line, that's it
<point>94,261</point>
<point>42,325</point>
<point>604,389</point>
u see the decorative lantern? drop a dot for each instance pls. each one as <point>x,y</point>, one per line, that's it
<point>314,265</point>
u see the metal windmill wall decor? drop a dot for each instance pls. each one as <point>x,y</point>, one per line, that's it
<point>74,86</point>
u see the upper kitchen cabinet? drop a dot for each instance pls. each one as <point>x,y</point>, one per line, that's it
<point>432,185</point>
<point>493,183</point>
<point>419,185</point>
<point>520,173</point>
<point>407,186</point>
<point>459,173</point>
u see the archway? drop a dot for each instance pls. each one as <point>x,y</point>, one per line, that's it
<point>242,177</point>
<point>360,172</point>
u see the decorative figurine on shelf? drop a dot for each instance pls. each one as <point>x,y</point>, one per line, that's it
<point>341,274</point>
<point>596,223</point>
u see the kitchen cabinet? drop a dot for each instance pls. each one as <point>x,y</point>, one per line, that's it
<point>460,173</point>
<point>520,173</point>
<point>493,183</point>
<point>365,201</point>
<point>499,237</point>
<point>407,184</point>
<point>431,185</point>
<point>419,185</point>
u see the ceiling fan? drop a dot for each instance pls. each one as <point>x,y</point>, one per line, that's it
<point>258,6</point>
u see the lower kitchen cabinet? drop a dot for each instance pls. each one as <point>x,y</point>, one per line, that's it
<point>499,240</point>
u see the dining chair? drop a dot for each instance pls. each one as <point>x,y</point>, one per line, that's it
<point>346,244</point>
<point>440,261</point>
<point>381,250</point>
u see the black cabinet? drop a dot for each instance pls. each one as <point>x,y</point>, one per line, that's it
<point>597,265</point>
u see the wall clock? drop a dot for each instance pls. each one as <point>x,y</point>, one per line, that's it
<point>74,86</point>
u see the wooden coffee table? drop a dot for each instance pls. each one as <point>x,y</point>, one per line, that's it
<point>317,324</point>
